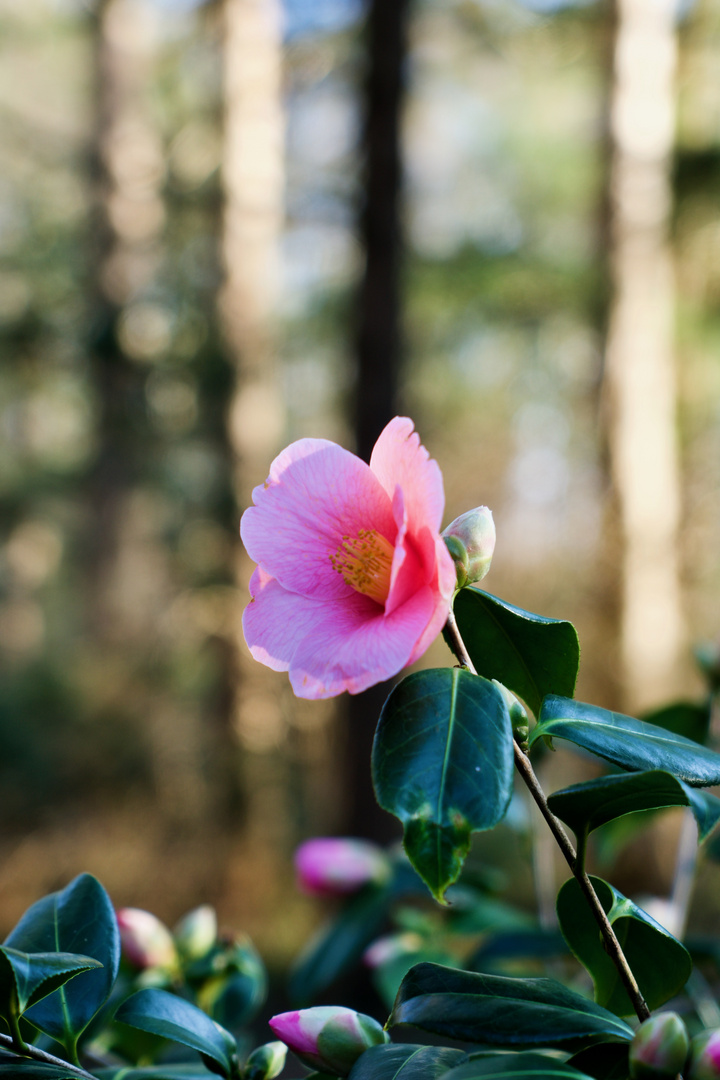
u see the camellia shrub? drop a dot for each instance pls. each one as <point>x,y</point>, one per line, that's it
<point>354,580</point>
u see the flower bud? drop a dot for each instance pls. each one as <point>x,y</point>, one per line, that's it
<point>196,933</point>
<point>328,866</point>
<point>659,1048</point>
<point>518,717</point>
<point>470,539</point>
<point>146,942</point>
<point>704,1060</point>
<point>328,1038</point>
<point>266,1062</point>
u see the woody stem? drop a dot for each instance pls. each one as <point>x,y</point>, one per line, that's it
<point>522,763</point>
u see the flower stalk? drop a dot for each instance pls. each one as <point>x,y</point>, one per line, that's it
<point>524,767</point>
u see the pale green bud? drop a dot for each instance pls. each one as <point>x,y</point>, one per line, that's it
<point>659,1048</point>
<point>266,1062</point>
<point>196,933</point>
<point>470,539</point>
<point>518,716</point>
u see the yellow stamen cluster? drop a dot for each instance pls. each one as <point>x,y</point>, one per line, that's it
<point>365,562</point>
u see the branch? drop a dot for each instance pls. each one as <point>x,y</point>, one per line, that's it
<point>523,766</point>
<point>41,1055</point>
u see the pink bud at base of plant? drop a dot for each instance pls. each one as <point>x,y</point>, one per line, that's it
<point>146,942</point>
<point>705,1056</point>
<point>659,1048</point>
<point>470,539</point>
<point>328,866</point>
<point>328,1038</point>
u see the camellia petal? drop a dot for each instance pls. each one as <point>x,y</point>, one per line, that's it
<point>353,581</point>
<point>316,495</point>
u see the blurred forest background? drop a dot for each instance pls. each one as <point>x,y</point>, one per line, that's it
<point>227,225</point>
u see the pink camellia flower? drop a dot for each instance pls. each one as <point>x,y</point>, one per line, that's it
<point>328,1037</point>
<point>353,580</point>
<point>146,942</point>
<point>336,866</point>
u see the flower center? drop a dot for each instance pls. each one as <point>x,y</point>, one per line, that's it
<point>365,562</point>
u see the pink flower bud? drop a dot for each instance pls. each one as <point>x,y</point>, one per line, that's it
<point>328,1037</point>
<point>705,1056</point>
<point>470,539</point>
<point>146,942</point>
<point>335,866</point>
<point>659,1048</point>
<point>197,932</point>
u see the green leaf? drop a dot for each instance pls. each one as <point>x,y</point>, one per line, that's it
<point>340,945</point>
<point>519,1066</point>
<point>629,743</point>
<point>442,762</point>
<point>408,1062</point>
<point>387,977</point>
<point>497,1011</point>
<point>164,1014</point>
<point>608,1061</point>
<point>27,977</point>
<point>660,964</point>
<point>589,805</point>
<point>529,654</point>
<point>80,920</point>
<point>687,718</point>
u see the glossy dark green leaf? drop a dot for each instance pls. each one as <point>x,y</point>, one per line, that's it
<point>688,718</point>
<point>531,655</point>
<point>390,1062</point>
<point>80,919</point>
<point>340,945</point>
<point>496,1011</point>
<point>387,977</point>
<point>629,743</point>
<point>659,962</point>
<point>608,1061</point>
<point>27,977</point>
<point>443,763</point>
<point>172,1017</point>
<point>589,805</point>
<point>519,1066</point>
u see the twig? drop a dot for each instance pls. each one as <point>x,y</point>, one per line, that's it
<point>41,1055</point>
<point>522,764</point>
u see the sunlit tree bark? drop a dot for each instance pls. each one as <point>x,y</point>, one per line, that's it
<point>253,179</point>
<point>639,371</point>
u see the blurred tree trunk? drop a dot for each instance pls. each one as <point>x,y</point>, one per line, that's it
<point>128,171</point>
<point>129,581</point>
<point>253,192</point>
<point>639,380</point>
<point>379,337</point>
